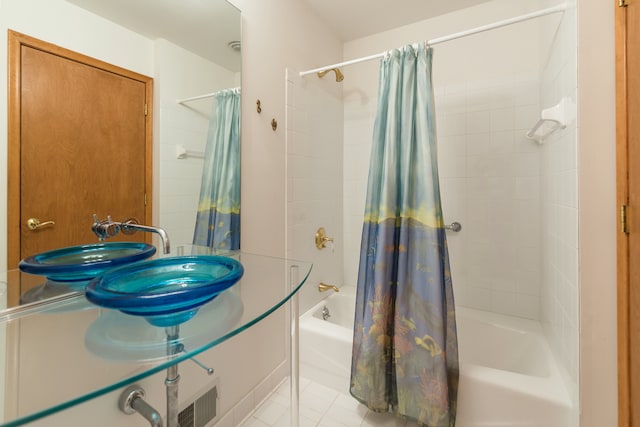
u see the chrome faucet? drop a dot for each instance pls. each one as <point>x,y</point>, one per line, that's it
<point>108,228</point>
<point>325,313</point>
<point>132,400</point>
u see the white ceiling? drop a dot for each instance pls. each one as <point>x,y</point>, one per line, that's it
<point>204,27</point>
<point>352,19</point>
<point>189,23</point>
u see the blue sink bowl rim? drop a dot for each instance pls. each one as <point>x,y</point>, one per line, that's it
<point>167,291</point>
<point>84,262</point>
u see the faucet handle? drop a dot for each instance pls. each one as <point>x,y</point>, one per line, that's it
<point>322,239</point>
<point>105,228</point>
<point>129,221</point>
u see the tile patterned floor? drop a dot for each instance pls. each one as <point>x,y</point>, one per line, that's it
<point>320,406</point>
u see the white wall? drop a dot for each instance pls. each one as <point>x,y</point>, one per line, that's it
<point>597,213</point>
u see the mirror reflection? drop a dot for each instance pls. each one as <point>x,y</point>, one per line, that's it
<point>191,54</point>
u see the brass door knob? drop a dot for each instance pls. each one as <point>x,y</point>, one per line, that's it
<point>35,223</point>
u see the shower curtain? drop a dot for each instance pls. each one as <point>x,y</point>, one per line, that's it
<point>405,351</point>
<point>218,217</point>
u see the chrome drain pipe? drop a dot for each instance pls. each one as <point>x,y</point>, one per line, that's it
<point>173,378</point>
<point>131,400</point>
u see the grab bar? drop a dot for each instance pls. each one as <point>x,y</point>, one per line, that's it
<point>454,226</point>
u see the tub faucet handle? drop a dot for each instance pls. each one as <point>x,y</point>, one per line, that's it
<point>322,239</point>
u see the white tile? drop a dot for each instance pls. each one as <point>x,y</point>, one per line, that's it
<point>348,402</point>
<point>477,166</point>
<point>339,414</point>
<point>452,145</point>
<point>478,144</point>
<point>526,116</point>
<point>481,298</point>
<point>285,421</point>
<point>528,282</point>
<point>270,411</point>
<point>282,399</point>
<point>453,124</point>
<point>478,99</point>
<point>478,122</point>
<point>451,103</point>
<point>310,413</point>
<point>528,187</point>
<point>317,397</point>
<point>503,302</point>
<point>502,142</point>
<point>500,165</point>
<point>502,96</point>
<point>528,306</point>
<point>374,419</point>
<point>527,164</point>
<point>254,422</point>
<point>453,167</point>
<point>502,119</point>
<point>527,93</point>
<point>528,258</point>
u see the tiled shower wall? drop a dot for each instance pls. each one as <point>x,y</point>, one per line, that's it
<point>559,204</point>
<point>490,183</point>
<point>314,179</point>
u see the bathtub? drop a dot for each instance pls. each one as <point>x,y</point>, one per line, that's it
<point>508,376</point>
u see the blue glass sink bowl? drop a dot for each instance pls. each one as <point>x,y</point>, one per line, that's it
<point>82,263</point>
<point>166,291</point>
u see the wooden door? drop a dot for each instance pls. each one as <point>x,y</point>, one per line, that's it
<point>628,198</point>
<point>80,143</point>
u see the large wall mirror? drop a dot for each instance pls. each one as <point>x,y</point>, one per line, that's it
<point>191,52</point>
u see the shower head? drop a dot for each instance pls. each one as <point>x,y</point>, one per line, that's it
<point>339,75</point>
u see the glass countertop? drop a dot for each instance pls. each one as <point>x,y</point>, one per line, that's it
<point>50,341</point>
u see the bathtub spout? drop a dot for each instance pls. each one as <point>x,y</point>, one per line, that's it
<point>324,287</point>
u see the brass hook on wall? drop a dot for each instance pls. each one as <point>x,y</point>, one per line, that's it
<point>274,124</point>
<point>258,107</point>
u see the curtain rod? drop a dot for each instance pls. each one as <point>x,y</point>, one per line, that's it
<point>483,28</point>
<point>207,95</point>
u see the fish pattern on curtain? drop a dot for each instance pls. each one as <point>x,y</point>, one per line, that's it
<point>218,217</point>
<point>405,350</point>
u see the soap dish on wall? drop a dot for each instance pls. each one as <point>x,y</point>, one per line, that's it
<point>551,119</point>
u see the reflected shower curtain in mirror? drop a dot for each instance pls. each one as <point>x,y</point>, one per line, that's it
<point>405,350</point>
<point>218,218</point>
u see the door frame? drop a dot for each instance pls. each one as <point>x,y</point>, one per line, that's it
<point>624,130</point>
<point>15,42</point>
